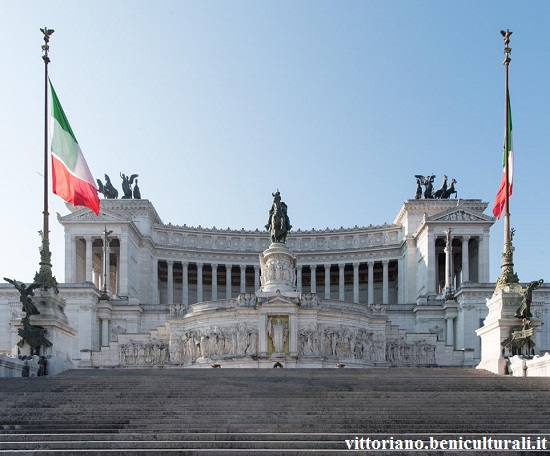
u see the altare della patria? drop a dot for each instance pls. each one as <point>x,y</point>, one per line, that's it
<point>142,293</point>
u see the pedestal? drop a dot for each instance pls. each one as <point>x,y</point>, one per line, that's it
<point>278,265</point>
<point>58,331</point>
<point>497,327</point>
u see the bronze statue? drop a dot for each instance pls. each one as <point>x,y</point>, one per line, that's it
<point>524,311</point>
<point>137,193</point>
<point>450,191</point>
<point>418,190</point>
<point>34,336</point>
<point>427,182</point>
<point>25,293</point>
<point>127,185</point>
<point>278,222</point>
<point>108,190</point>
<point>442,190</point>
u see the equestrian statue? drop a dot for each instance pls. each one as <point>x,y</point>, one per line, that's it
<point>278,223</point>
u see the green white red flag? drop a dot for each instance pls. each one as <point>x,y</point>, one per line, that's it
<point>71,177</point>
<point>501,197</point>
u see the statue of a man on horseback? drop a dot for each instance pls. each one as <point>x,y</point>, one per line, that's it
<point>278,223</point>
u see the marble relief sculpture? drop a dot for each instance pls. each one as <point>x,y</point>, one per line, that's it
<point>278,332</point>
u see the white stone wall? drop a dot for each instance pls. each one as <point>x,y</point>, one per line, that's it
<point>146,243</point>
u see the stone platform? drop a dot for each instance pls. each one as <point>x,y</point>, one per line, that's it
<point>259,411</point>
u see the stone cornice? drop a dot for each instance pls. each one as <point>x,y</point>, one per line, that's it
<point>248,258</point>
<point>431,207</point>
<point>215,242</point>
<point>118,209</point>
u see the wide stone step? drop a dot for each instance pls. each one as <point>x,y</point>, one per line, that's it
<point>220,443</point>
<point>204,411</point>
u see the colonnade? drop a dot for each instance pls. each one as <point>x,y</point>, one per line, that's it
<point>468,261</point>
<point>368,282</point>
<point>187,282</point>
<point>87,260</point>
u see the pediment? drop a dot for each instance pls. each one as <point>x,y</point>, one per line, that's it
<point>279,300</point>
<point>86,215</point>
<point>459,215</point>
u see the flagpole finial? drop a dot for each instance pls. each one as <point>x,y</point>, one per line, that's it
<point>507,49</point>
<point>46,47</point>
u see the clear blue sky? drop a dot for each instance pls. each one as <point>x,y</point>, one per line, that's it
<point>338,104</point>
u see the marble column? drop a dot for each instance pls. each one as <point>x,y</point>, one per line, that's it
<point>170,285</point>
<point>432,265</point>
<point>465,259</point>
<point>299,277</point>
<point>341,290</point>
<point>448,262</point>
<point>114,280</point>
<point>370,298</point>
<point>104,332</point>
<point>107,270</point>
<point>356,282</point>
<point>214,281</point>
<point>327,281</point>
<point>199,282</point>
<point>155,282</point>
<point>385,294</point>
<point>185,282</point>
<point>122,272</point>
<point>400,281</point>
<point>313,281</point>
<point>243,278</point>
<point>228,268</point>
<point>89,258</point>
<point>70,258</point>
<point>97,277</point>
<point>450,332</point>
<point>256,277</point>
<point>483,269</point>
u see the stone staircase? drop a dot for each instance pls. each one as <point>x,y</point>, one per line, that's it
<point>260,411</point>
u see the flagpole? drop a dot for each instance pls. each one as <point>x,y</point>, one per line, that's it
<point>44,275</point>
<point>507,50</point>
<point>507,266</point>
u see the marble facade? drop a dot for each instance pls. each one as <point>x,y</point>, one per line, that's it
<point>182,296</point>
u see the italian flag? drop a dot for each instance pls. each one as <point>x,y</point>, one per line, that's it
<point>500,199</point>
<point>71,177</point>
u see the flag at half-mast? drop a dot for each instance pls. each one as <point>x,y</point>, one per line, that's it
<point>500,199</point>
<point>71,177</point>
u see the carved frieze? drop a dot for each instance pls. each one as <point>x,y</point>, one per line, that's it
<point>341,342</point>
<point>215,342</point>
<point>403,353</point>
<point>143,353</point>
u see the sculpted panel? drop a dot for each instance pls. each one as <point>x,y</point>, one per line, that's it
<point>215,342</point>
<point>142,353</point>
<point>341,342</point>
<point>402,353</point>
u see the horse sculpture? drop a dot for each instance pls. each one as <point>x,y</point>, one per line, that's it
<point>441,191</point>
<point>108,190</point>
<point>450,191</point>
<point>278,223</point>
